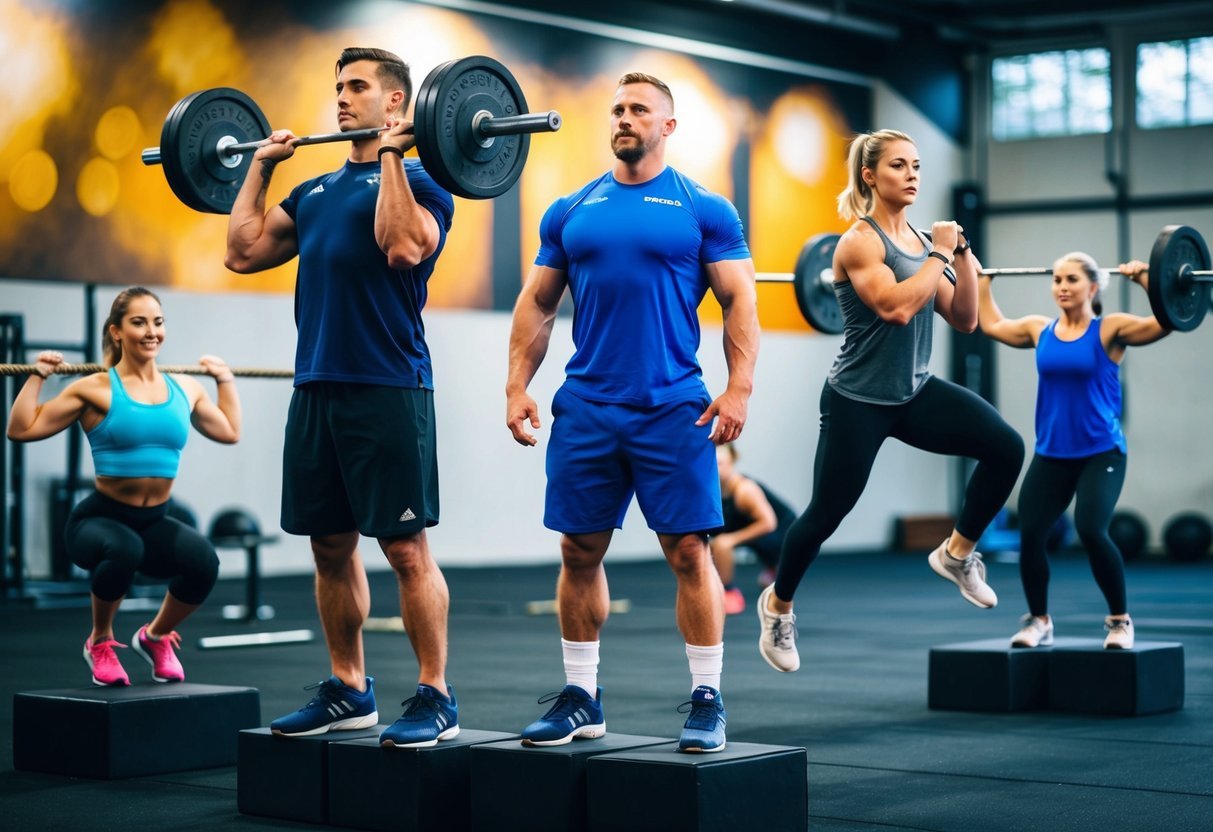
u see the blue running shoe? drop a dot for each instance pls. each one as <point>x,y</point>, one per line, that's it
<point>335,707</point>
<point>428,717</point>
<point>704,728</point>
<point>574,714</point>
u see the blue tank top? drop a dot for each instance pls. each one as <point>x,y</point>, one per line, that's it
<point>635,258</point>
<point>140,440</point>
<point>1078,400</point>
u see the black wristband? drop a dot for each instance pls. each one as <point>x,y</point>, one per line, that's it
<point>963,247</point>
<point>941,257</point>
<point>390,149</point>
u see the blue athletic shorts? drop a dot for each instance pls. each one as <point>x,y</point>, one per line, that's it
<point>600,454</point>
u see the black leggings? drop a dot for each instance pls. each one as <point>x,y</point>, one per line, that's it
<point>943,418</point>
<point>114,541</point>
<point>1046,491</point>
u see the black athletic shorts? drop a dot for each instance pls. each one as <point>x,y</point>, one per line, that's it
<point>359,457</point>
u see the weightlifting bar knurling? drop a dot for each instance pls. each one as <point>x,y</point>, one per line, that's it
<point>86,369</point>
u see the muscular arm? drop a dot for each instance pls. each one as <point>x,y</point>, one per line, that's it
<point>256,240</point>
<point>1133,330</point>
<point>534,315</point>
<point>732,283</point>
<point>958,304</point>
<point>218,421</point>
<point>1019,332</point>
<point>29,421</point>
<point>405,230</point>
<point>860,258</point>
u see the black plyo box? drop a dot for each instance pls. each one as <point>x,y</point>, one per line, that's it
<point>660,789</point>
<point>405,789</point>
<point>112,732</point>
<point>521,789</point>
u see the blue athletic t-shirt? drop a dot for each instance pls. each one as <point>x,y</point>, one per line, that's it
<point>634,256</point>
<point>1078,398</point>
<point>358,319</point>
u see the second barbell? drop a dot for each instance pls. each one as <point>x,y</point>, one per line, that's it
<point>1180,275</point>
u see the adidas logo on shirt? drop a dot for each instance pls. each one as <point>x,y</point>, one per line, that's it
<point>661,201</point>
<point>319,189</point>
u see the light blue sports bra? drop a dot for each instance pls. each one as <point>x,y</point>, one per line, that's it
<point>140,440</point>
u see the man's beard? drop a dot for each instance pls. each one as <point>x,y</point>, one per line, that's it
<point>631,154</point>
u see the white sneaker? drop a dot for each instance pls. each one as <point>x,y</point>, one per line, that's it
<point>968,574</point>
<point>1033,632</point>
<point>1120,633</point>
<point>777,640</point>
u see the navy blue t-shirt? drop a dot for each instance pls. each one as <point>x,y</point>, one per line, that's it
<point>358,319</point>
<point>634,256</point>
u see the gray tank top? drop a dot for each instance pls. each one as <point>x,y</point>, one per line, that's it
<point>879,362</point>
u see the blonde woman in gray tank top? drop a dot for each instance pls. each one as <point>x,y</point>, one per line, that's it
<point>891,280</point>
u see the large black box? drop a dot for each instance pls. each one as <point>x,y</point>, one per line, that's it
<point>521,789</point>
<point>110,732</point>
<point>407,789</point>
<point>287,777</point>
<point>659,789</point>
<point>1147,679</point>
<point>988,675</point>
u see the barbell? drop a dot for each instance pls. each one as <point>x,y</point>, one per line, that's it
<point>1178,286</point>
<point>185,370</point>
<point>470,119</point>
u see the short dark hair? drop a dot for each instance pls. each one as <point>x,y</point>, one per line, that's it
<point>391,67</point>
<point>645,78</point>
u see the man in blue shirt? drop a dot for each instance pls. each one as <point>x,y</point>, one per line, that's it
<point>638,248</point>
<point>359,451</point>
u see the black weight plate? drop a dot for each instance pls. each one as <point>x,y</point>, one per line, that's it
<point>1178,304</point>
<point>816,297</point>
<point>425,121</point>
<point>189,146</point>
<point>445,143</point>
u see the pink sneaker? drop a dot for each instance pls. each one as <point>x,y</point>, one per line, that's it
<point>107,670</point>
<point>160,655</point>
<point>734,601</point>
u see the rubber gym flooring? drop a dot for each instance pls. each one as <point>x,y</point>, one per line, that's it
<point>878,757</point>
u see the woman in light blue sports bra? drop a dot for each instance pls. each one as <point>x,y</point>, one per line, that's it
<point>1080,448</point>
<point>137,420</point>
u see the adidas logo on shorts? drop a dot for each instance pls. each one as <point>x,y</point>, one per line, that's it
<point>408,515</point>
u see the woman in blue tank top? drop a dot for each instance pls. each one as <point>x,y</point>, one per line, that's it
<point>137,420</point>
<point>1080,448</point>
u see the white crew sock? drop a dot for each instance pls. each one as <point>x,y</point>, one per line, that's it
<point>581,664</point>
<point>706,665</point>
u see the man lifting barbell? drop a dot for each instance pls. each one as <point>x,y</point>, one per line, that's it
<point>359,453</point>
<point>890,280</point>
<point>1080,448</point>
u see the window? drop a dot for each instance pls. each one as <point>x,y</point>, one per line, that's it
<point>1175,83</point>
<point>1052,94</point>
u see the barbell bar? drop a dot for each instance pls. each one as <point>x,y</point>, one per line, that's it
<point>1178,287</point>
<point>185,370</point>
<point>470,120</point>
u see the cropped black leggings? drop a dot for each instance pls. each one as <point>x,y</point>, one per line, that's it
<point>943,418</point>
<point>1046,491</point>
<point>114,541</point>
